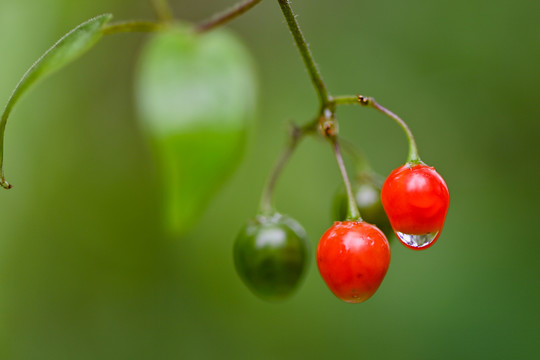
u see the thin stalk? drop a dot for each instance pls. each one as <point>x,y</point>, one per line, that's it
<point>413,149</point>
<point>227,15</point>
<point>131,26</point>
<point>346,100</point>
<point>163,10</point>
<point>362,167</point>
<point>316,78</point>
<point>352,212</point>
<point>297,134</point>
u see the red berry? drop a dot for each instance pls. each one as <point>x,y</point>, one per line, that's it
<point>353,257</point>
<point>415,198</point>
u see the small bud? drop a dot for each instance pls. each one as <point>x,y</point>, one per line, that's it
<point>363,100</point>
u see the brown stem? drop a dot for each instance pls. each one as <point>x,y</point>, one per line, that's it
<point>227,15</point>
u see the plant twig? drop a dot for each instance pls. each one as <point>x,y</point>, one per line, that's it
<point>413,149</point>
<point>316,78</point>
<point>359,159</point>
<point>352,212</point>
<point>346,100</point>
<point>227,15</point>
<point>296,135</point>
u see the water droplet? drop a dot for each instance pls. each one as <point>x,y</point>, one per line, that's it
<point>417,241</point>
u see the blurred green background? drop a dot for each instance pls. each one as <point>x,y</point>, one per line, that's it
<point>86,272</point>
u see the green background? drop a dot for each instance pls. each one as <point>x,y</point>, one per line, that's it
<point>87,273</point>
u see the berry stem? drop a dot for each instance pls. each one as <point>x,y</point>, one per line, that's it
<point>296,135</point>
<point>413,149</point>
<point>131,26</point>
<point>352,212</point>
<point>227,15</point>
<point>360,162</point>
<point>163,10</point>
<point>316,78</point>
<point>345,100</point>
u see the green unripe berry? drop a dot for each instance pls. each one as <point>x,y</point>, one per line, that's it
<point>270,255</point>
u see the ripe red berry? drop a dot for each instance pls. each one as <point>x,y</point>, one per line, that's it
<point>415,198</point>
<point>353,257</point>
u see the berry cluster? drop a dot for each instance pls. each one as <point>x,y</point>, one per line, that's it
<point>195,89</point>
<point>353,255</point>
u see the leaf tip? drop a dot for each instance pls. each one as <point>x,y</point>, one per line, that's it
<point>5,184</point>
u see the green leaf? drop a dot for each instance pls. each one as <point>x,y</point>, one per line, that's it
<point>68,48</point>
<point>195,97</point>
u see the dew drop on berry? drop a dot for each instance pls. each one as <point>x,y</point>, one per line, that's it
<point>417,241</point>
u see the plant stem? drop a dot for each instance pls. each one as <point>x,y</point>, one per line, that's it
<point>131,26</point>
<point>297,134</point>
<point>361,163</point>
<point>227,15</point>
<point>327,106</point>
<point>368,101</point>
<point>163,10</point>
<point>3,181</point>
<point>324,98</point>
<point>346,100</point>
<point>352,212</point>
<point>413,149</point>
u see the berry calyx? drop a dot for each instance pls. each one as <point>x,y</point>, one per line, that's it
<point>415,198</point>
<point>353,257</point>
<point>270,255</point>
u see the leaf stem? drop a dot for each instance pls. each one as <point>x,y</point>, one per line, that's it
<point>226,16</point>
<point>316,78</point>
<point>131,26</point>
<point>163,10</point>
<point>352,212</point>
<point>296,135</point>
<point>413,149</point>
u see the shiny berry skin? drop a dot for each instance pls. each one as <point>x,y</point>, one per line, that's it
<point>353,257</point>
<point>415,198</point>
<point>271,254</point>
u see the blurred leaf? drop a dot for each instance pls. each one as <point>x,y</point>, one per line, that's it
<point>68,48</point>
<point>195,96</point>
